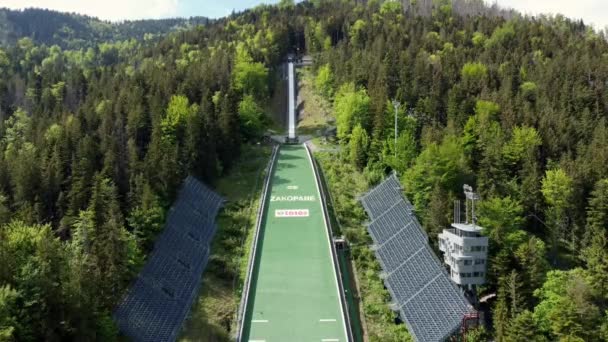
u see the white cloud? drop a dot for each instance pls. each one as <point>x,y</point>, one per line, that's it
<point>593,12</point>
<point>104,9</point>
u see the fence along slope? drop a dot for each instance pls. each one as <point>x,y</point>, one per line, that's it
<point>334,253</point>
<point>156,305</point>
<point>430,304</point>
<point>254,244</point>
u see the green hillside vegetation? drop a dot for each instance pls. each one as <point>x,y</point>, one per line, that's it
<point>98,127</point>
<point>94,145</point>
<point>73,31</point>
<point>516,107</point>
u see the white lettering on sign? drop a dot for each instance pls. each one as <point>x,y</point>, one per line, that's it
<point>292,187</point>
<point>292,198</point>
<point>291,213</point>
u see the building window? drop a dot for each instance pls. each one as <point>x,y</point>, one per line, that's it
<point>480,261</point>
<point>467,262</point>
<point>478,248</point>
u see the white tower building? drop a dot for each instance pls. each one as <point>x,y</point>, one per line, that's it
<point>464,249</point>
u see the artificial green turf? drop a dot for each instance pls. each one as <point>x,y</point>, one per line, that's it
<point>294,284</point>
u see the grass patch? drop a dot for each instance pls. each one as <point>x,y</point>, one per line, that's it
<point>212,317</point>
<point>345,184</point>
<point>315,111</point>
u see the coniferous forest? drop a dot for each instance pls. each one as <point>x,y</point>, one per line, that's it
<point>100,123</point>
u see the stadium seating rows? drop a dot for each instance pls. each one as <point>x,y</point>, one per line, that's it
<point>160,298</point>
<point>394,220</point>
<point>382,198</point>
<point>397,250</point>
<point>436,311</point>
<point>430,304</point>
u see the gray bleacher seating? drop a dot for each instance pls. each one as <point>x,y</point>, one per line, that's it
<point>157,303</point>
<point>430,304</point>
<point>382,198</point>
<point>436,311</point>
<point>392,222</point>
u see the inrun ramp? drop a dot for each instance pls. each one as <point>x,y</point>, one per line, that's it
<point>157,303</point>
<point>430,304</point>
<point>292,101</point>
<point>294,294</point>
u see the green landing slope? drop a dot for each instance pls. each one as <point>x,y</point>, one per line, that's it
<point>294,293</point>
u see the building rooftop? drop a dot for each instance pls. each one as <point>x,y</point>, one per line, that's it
<point>467,227</point>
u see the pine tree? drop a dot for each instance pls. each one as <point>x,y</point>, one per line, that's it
<point>101,235</point>
<point>532,260</point>
<point>8,312</point>
<point>513,285</point>
<point>557,190</point>
<point>228,124</point>
<point>596,252</point>
<point>5,213</point>
<point>146,220</point>
<point>358,146</point>
<point>522,328</point>
<point>209,142</point>
<point>501,317</point>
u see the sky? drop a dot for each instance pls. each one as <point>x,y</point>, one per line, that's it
<point>116,10</point>
<point>591,11</point>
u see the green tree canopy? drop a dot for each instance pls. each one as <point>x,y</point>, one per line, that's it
<point>442,164</point>
<point>565,310</point>
<point>595,253</point>
<point>251,117</point>
<point>351,107</point>
<point>324,81</point>
<point>250,78</point>
<point>8,312</point>
<point>358,146</point>
<point>557,190</point>
<point>178,111</point>
<point>500,217</point>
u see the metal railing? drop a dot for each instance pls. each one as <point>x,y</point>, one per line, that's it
<point>252,257</point>
<point>334,253</point>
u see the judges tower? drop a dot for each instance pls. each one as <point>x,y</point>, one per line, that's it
<point>465,249</point>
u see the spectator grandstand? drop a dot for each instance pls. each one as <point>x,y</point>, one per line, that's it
<point>429,303</point>
<point>160,298</point>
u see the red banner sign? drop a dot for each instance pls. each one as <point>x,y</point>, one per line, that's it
<point>291,213</point>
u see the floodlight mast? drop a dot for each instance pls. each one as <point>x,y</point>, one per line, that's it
<point>396,104</point>
<point>472,197</point>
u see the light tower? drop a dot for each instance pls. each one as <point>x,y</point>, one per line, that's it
<point>465,250</point>
<point>396,104</point>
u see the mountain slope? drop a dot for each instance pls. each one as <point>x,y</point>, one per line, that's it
<point>94,142</point>
<point>70,30</point>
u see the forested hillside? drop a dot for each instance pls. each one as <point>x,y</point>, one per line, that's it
<point>95,139</point>
<point>75,31</point>
<point>95,143</point>
<point>516,107</point>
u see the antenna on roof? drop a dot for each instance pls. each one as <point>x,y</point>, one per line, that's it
<point>472,197</point>
<point>457,211</point>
